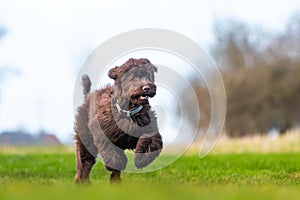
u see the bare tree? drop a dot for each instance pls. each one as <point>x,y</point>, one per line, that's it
<point>261,73</point>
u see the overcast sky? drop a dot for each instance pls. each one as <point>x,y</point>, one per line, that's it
<point>46,42</point>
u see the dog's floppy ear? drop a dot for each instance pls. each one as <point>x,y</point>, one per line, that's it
<point>155,68</point>
<point>113,73</point>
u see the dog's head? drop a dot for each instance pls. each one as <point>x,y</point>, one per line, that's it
<point>134,84</point>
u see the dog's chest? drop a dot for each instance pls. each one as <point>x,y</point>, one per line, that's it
<point>126,142</point>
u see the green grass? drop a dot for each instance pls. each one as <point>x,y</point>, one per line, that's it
<point>38,173</point>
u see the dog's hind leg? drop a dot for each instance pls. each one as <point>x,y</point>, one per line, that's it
<point>84,162</point>
<point>85,156</point>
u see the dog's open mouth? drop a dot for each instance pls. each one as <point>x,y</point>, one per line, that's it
<point>142,118</point>
<point>140,98</point>
<point>144,96</point>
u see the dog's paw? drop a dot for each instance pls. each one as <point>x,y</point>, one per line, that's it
<point>147,149</point>
<point>79,180</point>
<point>141,160</point>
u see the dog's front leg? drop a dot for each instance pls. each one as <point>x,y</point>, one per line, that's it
<point>113,157</point>
<point>115,176</point>
<point>147,149</point>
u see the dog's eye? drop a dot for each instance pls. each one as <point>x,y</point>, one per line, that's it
<point>143,74</point>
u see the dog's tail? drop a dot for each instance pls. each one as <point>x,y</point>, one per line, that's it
<point>86,83</point>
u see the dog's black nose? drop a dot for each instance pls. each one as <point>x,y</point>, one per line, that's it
<point>146,88</point>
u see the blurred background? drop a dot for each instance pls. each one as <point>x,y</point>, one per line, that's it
<point>43,45</point>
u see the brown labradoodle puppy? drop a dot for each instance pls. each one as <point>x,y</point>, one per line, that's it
<point>116,118</point>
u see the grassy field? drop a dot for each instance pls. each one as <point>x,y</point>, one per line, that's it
<point>234,170</point>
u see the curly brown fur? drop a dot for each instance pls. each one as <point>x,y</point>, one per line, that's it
<point>101,127</point>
